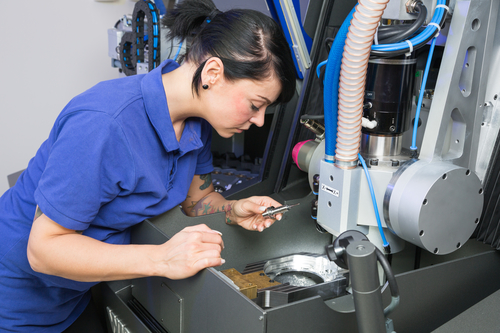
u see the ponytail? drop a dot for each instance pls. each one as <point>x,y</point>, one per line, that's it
<point>187,17</point>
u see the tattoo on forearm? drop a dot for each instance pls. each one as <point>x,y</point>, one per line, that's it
<point>201,207</point>
<point>208,180</point>
<point>38,213</point>
<point>193,203</point>
<point>228,211</point>
<point>205,206</point>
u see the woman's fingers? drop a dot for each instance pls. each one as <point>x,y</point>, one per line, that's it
<point>191,250</point>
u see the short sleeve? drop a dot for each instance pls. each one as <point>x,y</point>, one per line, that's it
<point>89,164</point>
<point>205,161</point>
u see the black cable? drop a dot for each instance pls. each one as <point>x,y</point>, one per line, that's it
<point>386,31</point>
<point>171,47</point>
<point>418,254</point>
<point>420,20</point>
<point>312,116</point>
<point>393,285</point>
<point>397,33</point>
<point>328,43</point>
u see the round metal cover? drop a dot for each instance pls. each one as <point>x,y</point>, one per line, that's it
<point>435,206</point>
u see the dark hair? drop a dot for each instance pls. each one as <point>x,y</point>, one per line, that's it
<point>250,44</point>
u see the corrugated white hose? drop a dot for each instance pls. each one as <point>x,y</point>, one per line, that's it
<point>352,80</point>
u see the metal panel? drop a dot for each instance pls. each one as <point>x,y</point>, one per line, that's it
<point>12,178</point>
<point>432,296</point>
<point>309,315</point>
<point>115,296</point>
<point>471,31</point>
<point>482,317</point>
<point>171,309</point>
<point>209,304</point>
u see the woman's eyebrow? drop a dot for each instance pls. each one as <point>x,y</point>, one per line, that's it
<point>267,100</point>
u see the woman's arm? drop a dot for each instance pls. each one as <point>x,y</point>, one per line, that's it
<point>55,250</point>
<point>202,199</point>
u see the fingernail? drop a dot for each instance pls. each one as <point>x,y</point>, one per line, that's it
<point>262,208</point>
<point>222,261</point>
<point>217,232</point>
<point>279,217</point>
<point>254,227</point>
<point>268,224</point>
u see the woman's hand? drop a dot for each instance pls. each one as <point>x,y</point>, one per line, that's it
<point>202,199</point>
<point>248,213</point>
<point>189,251</point>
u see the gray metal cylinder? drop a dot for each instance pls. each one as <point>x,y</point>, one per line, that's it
<point>381,145</point>
<point>362,262</point>
<point>435,205</point>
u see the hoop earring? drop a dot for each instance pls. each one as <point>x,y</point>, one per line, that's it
<point>205,86</point>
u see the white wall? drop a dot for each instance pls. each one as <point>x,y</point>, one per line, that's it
<point>50,51</point>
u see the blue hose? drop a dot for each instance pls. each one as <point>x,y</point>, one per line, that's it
<point>318,68</point>
<point>178,51</point>
<point>374,201</point>
<point>421,95</point>
<point>330,91</point>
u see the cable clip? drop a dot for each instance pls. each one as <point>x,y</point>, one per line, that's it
<point>437,26</point>
<point>444,7</point>
<point>411,48</point>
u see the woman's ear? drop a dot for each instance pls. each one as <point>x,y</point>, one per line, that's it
<point>213,72</point>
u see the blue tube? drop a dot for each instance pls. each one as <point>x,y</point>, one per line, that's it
<point>330,91</point>
<point>374,201</point>
<point>318,68</point>
<point>421,95</point>
<point>178,50</point>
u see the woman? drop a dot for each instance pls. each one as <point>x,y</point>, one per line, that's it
<point>130,149</point>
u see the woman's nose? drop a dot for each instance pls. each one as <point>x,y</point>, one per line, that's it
<point>258,119</point>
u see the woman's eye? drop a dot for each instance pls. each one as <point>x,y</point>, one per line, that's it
<point>255,108</point>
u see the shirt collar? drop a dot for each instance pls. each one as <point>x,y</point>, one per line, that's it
<point>156,106</point>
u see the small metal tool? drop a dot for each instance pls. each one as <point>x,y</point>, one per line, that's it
<point>272,211</point>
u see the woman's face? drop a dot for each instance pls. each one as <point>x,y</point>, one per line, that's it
<point>235,106</point>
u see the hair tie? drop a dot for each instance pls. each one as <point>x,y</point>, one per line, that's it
<point>209,18</point>
<point>212,15</point>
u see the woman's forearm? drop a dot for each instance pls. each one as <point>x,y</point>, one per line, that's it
<point>81,258</point>
<point>55,250</point>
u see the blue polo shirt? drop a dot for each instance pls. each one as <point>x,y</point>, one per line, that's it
<point>111,161</point>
